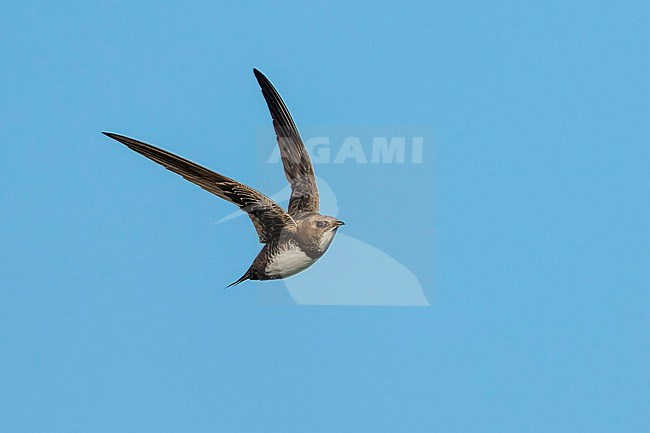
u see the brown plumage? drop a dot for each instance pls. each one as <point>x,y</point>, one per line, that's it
<point>293,239</point>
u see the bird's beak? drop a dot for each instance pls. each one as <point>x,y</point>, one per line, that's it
<point>340,223</point>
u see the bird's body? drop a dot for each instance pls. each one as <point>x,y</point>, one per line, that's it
<point>294,239</point>
<point>296,248</point>
<point>285,260</point>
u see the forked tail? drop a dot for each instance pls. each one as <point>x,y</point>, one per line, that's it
<point>247,276</point>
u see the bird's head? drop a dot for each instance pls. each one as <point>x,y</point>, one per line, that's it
<point>317,231</point>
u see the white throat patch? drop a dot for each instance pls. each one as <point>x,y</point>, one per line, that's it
<point>326,240</point>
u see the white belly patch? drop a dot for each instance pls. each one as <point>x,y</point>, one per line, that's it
<point>288,262</point>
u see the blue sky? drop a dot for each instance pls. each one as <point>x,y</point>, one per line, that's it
<point>525,224</point>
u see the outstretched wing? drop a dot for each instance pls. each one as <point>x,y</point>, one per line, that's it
<point>268,217</point>
<point>297,165</point>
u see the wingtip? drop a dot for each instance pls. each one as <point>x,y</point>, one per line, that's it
<point>261,78</point>
<point>128,142</point>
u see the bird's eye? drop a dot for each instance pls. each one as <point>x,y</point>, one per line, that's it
<point>320,224</point>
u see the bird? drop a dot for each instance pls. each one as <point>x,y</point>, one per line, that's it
<point>294,239</point>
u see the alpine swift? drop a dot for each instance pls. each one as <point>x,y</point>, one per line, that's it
<point>293,239</point>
